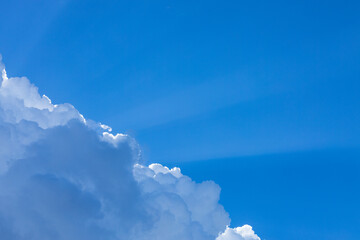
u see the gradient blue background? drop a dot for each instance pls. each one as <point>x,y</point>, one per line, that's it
<point>260,96</point>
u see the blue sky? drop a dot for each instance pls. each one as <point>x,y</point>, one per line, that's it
<point>266,93</point>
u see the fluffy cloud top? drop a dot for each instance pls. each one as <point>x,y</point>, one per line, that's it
<point>64,177</point>
<point>240,233</point>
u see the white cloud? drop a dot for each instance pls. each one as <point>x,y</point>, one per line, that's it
<point>64,177</point>
<point>240,233</point>
<point>193,207</point>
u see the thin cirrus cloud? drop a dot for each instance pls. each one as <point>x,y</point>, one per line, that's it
<point>66,177</point>
<point>190,101</point>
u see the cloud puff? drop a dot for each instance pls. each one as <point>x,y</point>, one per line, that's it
<point>240,233</point>
<point>190,209</point>
<point>64,177</point>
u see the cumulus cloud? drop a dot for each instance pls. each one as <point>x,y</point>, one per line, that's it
<point>64,177</point>
<point>240,233</point>
<point>191,210</point>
